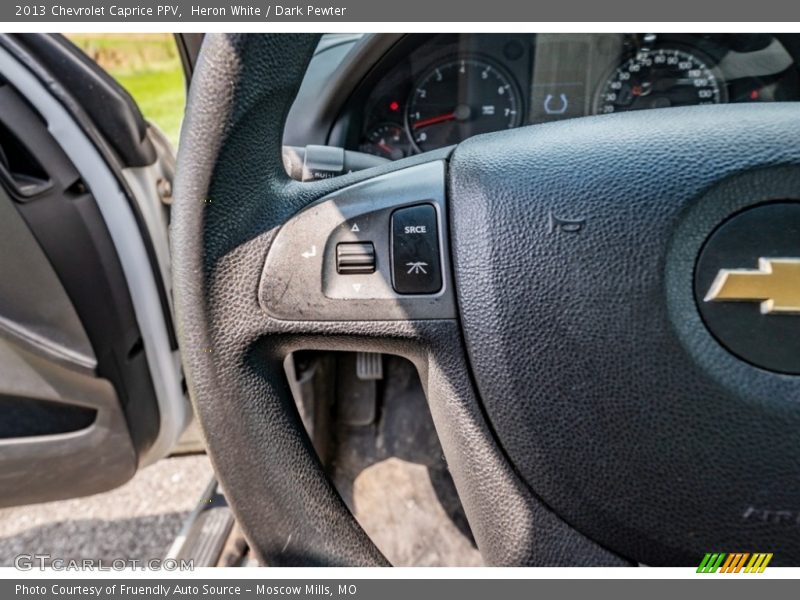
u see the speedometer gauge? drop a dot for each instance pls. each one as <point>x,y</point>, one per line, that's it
<point>658,78</point>
<point>459,99</point>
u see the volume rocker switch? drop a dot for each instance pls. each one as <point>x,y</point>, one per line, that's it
<point>355,258</point>
<point>416,267</point>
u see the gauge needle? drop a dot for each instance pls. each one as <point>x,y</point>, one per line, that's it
<point>434,120</point>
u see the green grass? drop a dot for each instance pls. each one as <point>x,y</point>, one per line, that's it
<point>160,96</point>
<point>149,68</point>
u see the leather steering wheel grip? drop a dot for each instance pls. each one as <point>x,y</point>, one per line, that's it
<point>231,191</point>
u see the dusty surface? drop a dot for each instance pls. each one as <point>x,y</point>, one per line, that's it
<point>138,520</point>
<point>396,504</point>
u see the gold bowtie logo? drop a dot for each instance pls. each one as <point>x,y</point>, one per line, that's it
<point>776,284</point>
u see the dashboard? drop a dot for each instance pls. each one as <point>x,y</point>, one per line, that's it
<point>431,91</point>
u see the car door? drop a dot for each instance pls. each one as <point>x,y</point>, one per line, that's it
<point>90,379</point>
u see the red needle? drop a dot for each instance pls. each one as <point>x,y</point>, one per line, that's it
<point>434,120</point>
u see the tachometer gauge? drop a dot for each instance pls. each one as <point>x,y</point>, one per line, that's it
<point>459,99</point>
<point>387,140</point>
<point>658,78</point>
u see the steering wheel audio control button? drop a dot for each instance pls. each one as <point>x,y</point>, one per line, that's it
<point>332,260</point>
<point>353,258</point>
<point>416,266</point>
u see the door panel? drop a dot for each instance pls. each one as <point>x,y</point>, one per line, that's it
<point>34,468</point>
<point>80,408</point>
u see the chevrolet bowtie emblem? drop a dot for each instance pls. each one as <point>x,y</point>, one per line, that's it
<point>776,284</point>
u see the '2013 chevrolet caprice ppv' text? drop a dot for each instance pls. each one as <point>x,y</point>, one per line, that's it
<point>174,10</point>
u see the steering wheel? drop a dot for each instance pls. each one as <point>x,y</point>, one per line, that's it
<point>612,376</point>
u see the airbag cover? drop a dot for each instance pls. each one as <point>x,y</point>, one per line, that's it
<point>574,245</point>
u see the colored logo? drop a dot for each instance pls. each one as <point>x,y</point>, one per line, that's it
<point>775,284</point>
<point>737,562</point>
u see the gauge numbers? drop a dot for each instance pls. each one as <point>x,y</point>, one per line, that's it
<point>659,78</point>
<point>458,99</point>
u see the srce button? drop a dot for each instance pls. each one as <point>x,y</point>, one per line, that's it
<point>415,251</point>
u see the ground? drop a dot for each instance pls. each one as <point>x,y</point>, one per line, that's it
<point>139,520</point>
<point>394,502</point>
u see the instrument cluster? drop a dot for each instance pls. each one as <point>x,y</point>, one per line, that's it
<point>437,91</point>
